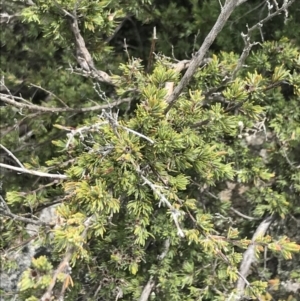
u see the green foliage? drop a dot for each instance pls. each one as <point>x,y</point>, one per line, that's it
<point>174,197</point>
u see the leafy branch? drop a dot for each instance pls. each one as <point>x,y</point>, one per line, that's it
<point>64,266</point>
<point>226,11</point>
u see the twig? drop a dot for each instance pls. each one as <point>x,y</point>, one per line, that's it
<point>114,122</point>
<point>241,2</point>
<point>83,56</point>
<point>23,243</point>
<point>246,37</point>
<point>136,133</point>
<point>292,165</point>
<point>243,215</point>
<point>12,155</point>
<point>175,213</point>
<point>278,11</point>
<point>4,204</point>
<point>33,107</point>
<point>117,29</point>
<point>181,65</point>
<point>50,93</point>
<point>63,10</point>
<point>221,21</point>
<point>33,172</point>
<point>6,18</point>
<point>126,50</point>
<point>246,51</point>
<point>166,249</point>
<point>245,14</point>
<point>6,212</point>
<point>22,219</point>
<point>152,49</point>
<point>83,129</point>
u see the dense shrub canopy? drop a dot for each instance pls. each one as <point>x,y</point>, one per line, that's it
<point>132,168</point>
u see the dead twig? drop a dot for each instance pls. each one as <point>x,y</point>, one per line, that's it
<point>50,93</point>
<point>12,155</point>
<point>14,103</point>
<point>33,172</point>
<point>6,212</point>
<point>147,289</point>
<point>243,215</point>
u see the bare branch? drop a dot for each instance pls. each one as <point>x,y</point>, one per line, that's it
<point>246,37</point>
<point>147,290</point>
<point>241,2</point>
<point>136,133</point>
<point>50,93</point>
<point>117,29</point>
<point>6,18</point>
<point>246,51</point>
<point>278,11</point>
<point>13,102</point>
<point>12,155</point>
<point>33,172</point>
<point>30,2</point>
<point>83,56</point>
<point>166,249</point>
<point>226,11</point>
<point>63,10</point>
<point>249,257</point>
<point>243,215</point>
<point>22,219</point>
<point>6,212</point>
<point>83,129</point>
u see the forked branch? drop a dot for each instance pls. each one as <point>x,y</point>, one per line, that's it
<point>226,11</point>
